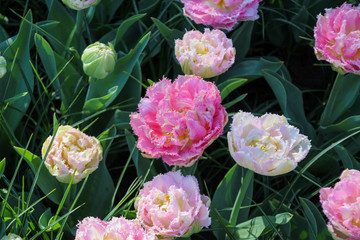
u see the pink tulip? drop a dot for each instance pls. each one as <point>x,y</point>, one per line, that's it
<point>91,228</point>
<point>205,55</point>
<point>341,205</point>
<point>177,121</point>
<point>267,145</point>
<point>171,206</point>
<point>221,13</point>
<point>117,229</point>
<point>337,38</point>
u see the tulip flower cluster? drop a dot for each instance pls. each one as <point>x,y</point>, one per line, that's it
<point>169,206</point>
<point>177,120</point>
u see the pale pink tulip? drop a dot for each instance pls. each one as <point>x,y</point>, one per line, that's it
<point>123,229</point>
<point>267,145</point>
<point>337,38</point>
<point>171,206</point>
<point>117,229</point>
<point>91,228</point>
<point>221,13</point>
<point>177,121</point>
<point>341,205</point>
<point>70,150</point>
<point>205,55</point>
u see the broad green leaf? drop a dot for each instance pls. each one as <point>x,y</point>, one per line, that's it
<point>290,100</point>
<point>251,69</point>
<point>95,104</point>
<point>63,30</point>
<point>241,39</point>
<point>298,223</point>
<point>141,164</point>
<point>342,96</point>
<point>316,222</point>
<point>121,119</point>
<point>299,21</point>
<point>2,167</point>
<point>131,97</point>
<point>117,78</point>
<point>230,85</point>
<point>124,26</point>
<point>99,188</point>
<point>235,101</point>
<point>169,34</point>
<point>16,98</point>
<point>112,7</point>
<point>343,126</point>
<point>225,196</point>
<point>19,77</point>
<point>347,159</point>
<point>46,219</point>
<point>48,60</point>
<point>46,181</point>
<point>254,228</point>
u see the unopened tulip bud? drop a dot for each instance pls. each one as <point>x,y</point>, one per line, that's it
<point>80,4</point>
<point>11,237</point>
<point>2,66</point>
<point>99,60</point>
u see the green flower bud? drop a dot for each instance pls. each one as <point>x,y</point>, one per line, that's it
<point>11,237</point>
<point>2,66</point>
<point>80,4</point>
<point>98,60</point>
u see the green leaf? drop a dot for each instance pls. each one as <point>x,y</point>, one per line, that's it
<point>347,159</point>
<point>229,86</point>
<point>235,101</point>
<point>95,104</point>
<point>141,164</point>
<point>343,126</point>
<point>131,97</point>
<point>317,224</point>
<point>169,34</point>
<point>2,167</point>
<point>15,98</point>
<point>121,119</point>
<point>48,60</point>
<point>19,74</point>
<point>290,100</point>
<point>46,181</point>
<point>63,30</point>
<point>254,228</point>
<point>241,39</point>
<point>225,196</point>
<point>46,219</point>
<point>342,96</point>
<point>117,78</point>
<point>251,69</point>
<point>124,26</point>
<point>99,188</point>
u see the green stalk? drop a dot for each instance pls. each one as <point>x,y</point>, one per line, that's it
<point>240,196</point>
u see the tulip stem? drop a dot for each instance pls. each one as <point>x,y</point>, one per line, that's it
<point>77,26</point>
<point>240,196</point>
